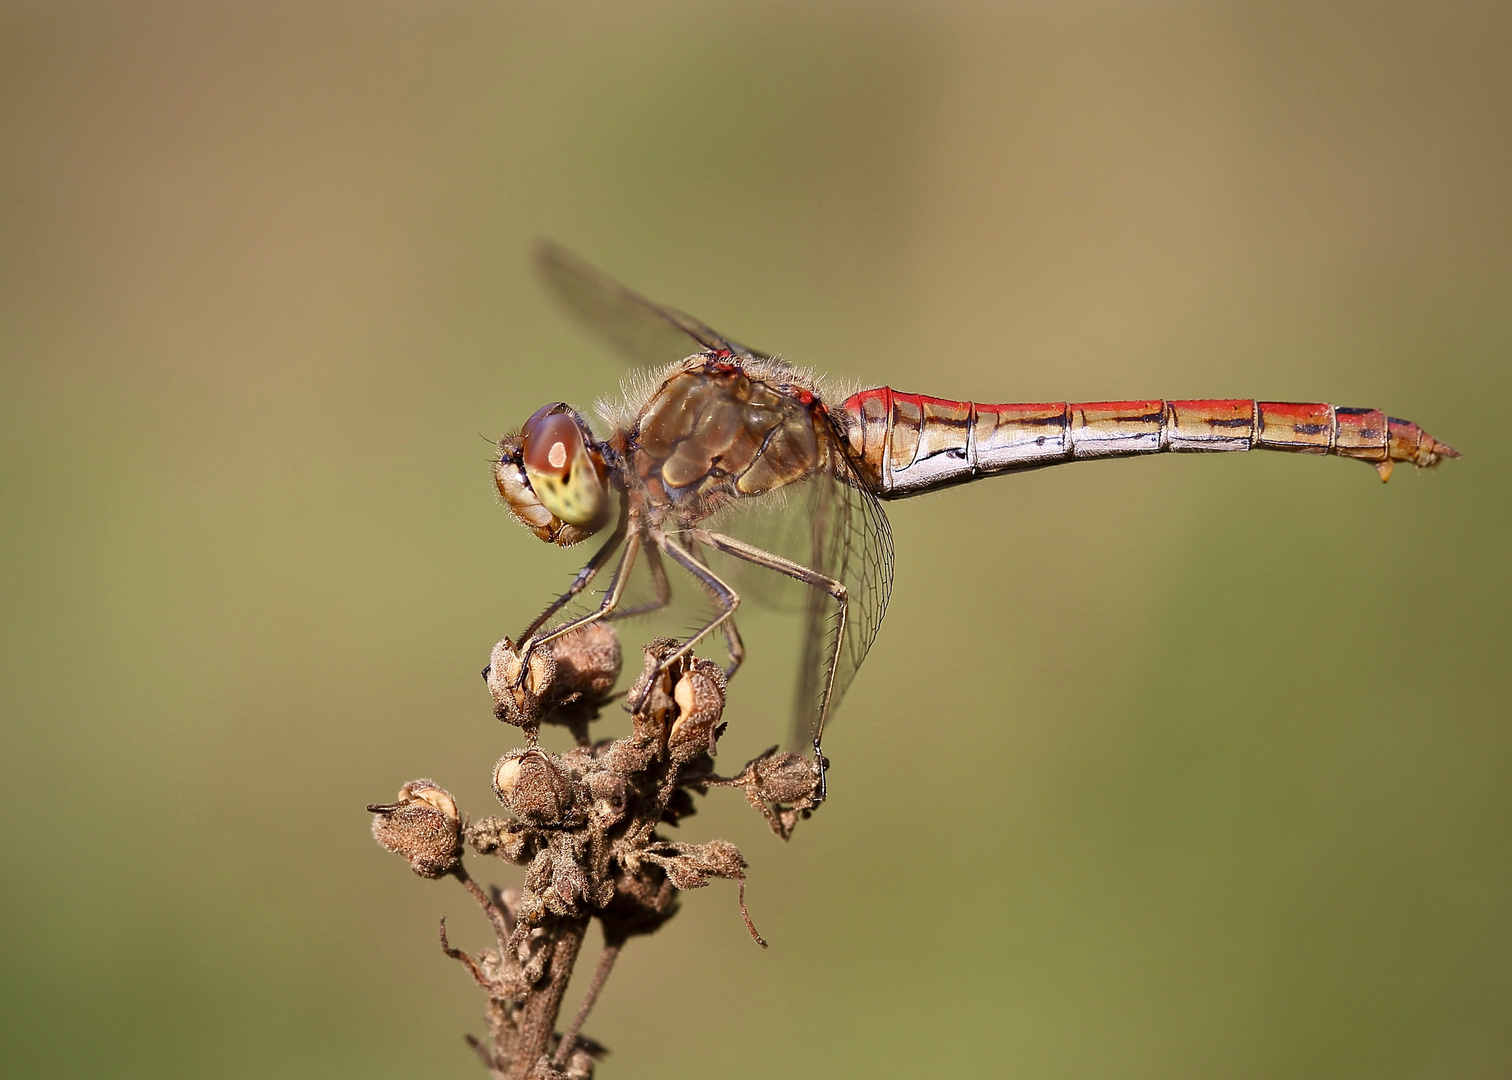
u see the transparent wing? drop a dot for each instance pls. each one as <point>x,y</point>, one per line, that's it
<point>831,523</point>
<point>851,542</point>
<point>780,523</point>
<point>643,330</point>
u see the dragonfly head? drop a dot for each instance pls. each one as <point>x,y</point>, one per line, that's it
<point>553,477</point>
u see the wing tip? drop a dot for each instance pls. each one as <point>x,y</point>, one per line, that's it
<point>547,255</point>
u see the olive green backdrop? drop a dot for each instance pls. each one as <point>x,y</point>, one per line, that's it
<point>1177,767</point>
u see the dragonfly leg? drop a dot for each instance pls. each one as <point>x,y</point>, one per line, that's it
<point>733,644</point>
<point>581,581</point>
<point>755,555</point>
<point>606,607</point>
<point>659,581</point>
<point>585,575</point>
<point>725,598</point>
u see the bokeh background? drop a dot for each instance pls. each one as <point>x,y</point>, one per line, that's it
<point>1176,767</point>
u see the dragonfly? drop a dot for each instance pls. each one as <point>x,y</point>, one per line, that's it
<point>721,449</point>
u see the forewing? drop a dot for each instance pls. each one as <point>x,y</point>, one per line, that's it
<point>643,330</point>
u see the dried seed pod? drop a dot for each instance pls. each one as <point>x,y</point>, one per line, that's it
<point>651,694</point>
<point>512,841</point>
<point>580,1062</point>
<point>533,787</point>
<point>424,826</point>
<point>644,898</point>
<point>699,696</point>
<point>783,778</point>
<point>626,757</point>
<point>689,866</point>
<point>783,786</point>
<point>607,790</point>
<point>569,878</point>
<point>520,700</point>
<point>588,663</point>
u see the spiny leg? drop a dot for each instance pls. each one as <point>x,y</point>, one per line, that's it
<point>662,597</point>
<point>756,556</point>
<point>582,580</point>
<point>659,582</point>
<point>733,644</point>
<point>606,606</point>
<point>725,598</point>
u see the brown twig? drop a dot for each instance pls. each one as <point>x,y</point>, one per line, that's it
<point>537,1022</point>
<point>485,1055</point>
<point>600,976</point>
<point>746,915</point>
<point>497,914</point>
<point>466,961</point>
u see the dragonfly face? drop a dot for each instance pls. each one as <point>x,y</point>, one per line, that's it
<point>553,477</point>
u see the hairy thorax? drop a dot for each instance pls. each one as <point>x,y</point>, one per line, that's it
<point>715,431</point>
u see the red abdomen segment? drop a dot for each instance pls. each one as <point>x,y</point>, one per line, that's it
<point>905,444</point>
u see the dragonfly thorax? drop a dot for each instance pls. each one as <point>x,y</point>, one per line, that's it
<point>716,431</point>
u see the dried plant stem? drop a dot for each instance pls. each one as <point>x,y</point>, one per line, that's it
<point>479,975</point>
<point>600,976</point>
<point>496,912</point>
<point>537,1021</point>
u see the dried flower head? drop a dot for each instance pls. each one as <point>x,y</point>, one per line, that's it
<point>783,786</point>
<point>587,666</point>
<point>699,697</point>
<point>532,785</point>
<point>518,694</point>
<point>424,826</point>
<point>587,828</point>
<point>512,841</point>
<point>569,680</point>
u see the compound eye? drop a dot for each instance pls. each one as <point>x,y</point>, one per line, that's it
<point>551,446</point>
<point>560,468</point>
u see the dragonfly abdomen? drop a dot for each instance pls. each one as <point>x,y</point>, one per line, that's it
<point>909,443</point>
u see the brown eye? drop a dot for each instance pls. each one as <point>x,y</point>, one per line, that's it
<point>564,472</point>
<point>551,445</point>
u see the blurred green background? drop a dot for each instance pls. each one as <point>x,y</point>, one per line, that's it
<point>1178,767</point>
